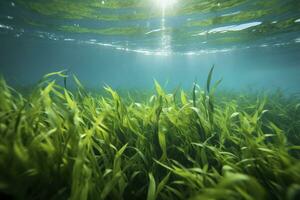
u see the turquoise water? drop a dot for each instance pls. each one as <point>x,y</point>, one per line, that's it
<point>126,44</point>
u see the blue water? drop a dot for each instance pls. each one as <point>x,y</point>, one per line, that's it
<point>175,47</point>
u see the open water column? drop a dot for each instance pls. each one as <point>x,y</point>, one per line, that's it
<point>150,99</point>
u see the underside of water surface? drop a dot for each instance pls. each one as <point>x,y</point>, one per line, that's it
<point>157,26</point>
<point>150,99</point>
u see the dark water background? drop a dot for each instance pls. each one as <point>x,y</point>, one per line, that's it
<point>263,57</point>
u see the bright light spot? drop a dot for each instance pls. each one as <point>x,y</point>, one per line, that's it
<point>155,30</point>
<point>264,45</point>
<point>6,27</point>
<point>69,39</point>
<point>103,2</point>
<point>239,27</point>
<point>232,13</point>
<point>225,29</point>
<point>165,3</point>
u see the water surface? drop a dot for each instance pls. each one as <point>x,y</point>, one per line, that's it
<point>129,43</point>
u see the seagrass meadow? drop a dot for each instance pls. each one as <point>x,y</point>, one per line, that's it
<point>73,144</point>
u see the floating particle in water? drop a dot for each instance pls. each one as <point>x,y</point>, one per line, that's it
<point>12,4</point>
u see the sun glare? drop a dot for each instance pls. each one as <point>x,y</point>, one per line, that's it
<point>164,4</point>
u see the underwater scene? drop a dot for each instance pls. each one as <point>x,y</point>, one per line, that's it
<point>150,99</point>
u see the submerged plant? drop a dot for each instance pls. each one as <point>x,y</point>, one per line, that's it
<point>58,144</point>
